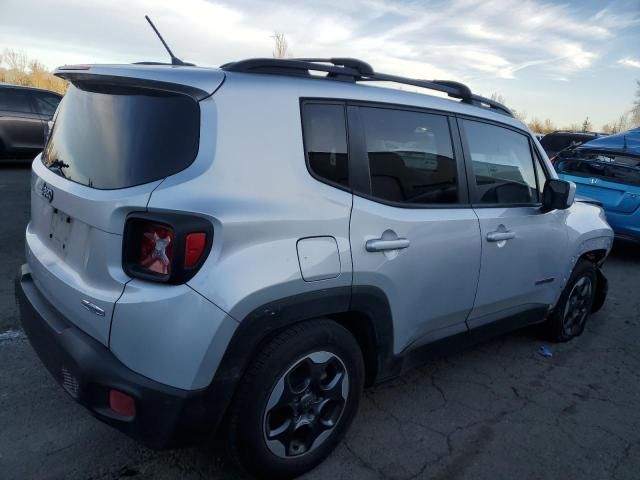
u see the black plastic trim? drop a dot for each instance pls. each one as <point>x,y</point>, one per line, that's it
<point>87,370</point>
<point>267,320</point>
<point>602,289</point>
<point>464,340</point>
<point>358,165</point>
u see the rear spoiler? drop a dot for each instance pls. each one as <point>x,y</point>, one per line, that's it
<point>198,83</point>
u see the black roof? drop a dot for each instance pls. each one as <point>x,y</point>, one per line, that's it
<point>24,87</point>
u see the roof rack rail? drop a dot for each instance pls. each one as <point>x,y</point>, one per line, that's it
<point>354,70</point>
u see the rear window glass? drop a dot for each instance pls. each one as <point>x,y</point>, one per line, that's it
<point>46,104</point>
<point>607,166</point>
<point>557,142</point>
<point>109,137</point>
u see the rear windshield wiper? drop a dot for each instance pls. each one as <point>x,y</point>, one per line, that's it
<point>57,165</point>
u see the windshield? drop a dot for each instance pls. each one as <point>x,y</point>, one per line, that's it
<point>109,137</point>
<point>605,165</point>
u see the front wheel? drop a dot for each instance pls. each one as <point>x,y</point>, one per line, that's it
<point>569,317</point>
<point>296,400</point>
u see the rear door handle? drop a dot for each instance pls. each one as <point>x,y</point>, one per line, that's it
<point>380,245</point>
<point>500,236</point>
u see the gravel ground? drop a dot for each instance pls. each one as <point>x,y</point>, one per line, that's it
<point>496,411</point>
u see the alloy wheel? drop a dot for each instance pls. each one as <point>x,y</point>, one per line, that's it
<point>577,306</point>
<point>306,404</point>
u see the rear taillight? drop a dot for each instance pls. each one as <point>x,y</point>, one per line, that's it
<point>165,247</point>
<point>156,248</point>
<point>194,248</point>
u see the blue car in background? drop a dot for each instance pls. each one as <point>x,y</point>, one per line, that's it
<point>607,169</point>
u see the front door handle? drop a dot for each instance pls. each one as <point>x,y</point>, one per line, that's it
<point>500,236</point>
<point>380,245</point>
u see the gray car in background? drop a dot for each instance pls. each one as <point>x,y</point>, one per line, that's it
<point>24,113</point>
<point>243,249</point>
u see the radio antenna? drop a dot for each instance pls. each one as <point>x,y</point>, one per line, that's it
<point>174,60</point>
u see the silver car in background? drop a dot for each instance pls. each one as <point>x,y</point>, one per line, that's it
<point>245,248</point>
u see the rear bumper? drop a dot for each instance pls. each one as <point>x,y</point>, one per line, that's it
<point>87,370</point>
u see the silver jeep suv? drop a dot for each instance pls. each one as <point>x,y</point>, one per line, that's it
<point>243,249</point>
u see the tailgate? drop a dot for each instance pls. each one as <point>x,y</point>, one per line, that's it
<point>74,246</point>
<point>114,139</point>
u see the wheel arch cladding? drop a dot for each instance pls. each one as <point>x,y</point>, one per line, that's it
<point>597,257</point>
<point>364,311</point>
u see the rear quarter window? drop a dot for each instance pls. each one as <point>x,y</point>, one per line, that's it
<point>325,140</point>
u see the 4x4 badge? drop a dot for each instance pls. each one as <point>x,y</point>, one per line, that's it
<point>47,192</point>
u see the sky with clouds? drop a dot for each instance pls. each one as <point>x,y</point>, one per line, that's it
<point>562,61</point>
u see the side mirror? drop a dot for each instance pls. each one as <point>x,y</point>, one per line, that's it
<point>558,195</point>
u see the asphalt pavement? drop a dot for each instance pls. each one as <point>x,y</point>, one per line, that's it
<point>497,411</point>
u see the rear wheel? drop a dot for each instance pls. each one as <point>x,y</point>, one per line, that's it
<point>570,316</point>
<point>296,400</point>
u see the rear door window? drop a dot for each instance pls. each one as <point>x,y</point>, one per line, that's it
<point>410,156</point>
<point>325,139</point>
<point>14,100</point>
<point>110,137</point>
<point>45,104</point>
<point>502,165</point>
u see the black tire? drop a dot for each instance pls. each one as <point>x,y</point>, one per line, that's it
<point>570,315</point>
<point>250,421</point>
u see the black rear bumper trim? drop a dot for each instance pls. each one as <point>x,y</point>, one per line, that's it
<point>87,370</point>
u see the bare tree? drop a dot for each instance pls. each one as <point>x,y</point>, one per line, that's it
<point>536,126</point>
<point>15,59</point>
<point>608,128</point>
<point>18,69</point>
<point>549,126</point>
<point>281,48</point>
<point>496,97</point>
<point>586,125</point>
<point>520,115</point>
<point>624,123</point>
<point>635,111</point>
